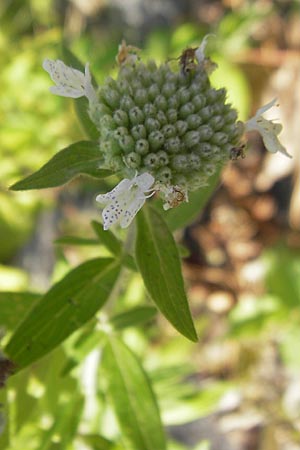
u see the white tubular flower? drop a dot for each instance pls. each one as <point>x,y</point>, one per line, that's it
<point>70,82</point>
<point>268,130</point>
<point>125,200</point>
<point>203,60</point>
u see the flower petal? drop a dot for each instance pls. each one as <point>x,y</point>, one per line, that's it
<point>132,209</point>
<point>122,187</point>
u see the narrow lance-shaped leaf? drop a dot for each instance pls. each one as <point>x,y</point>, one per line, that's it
<point>159,263</point>
<point>132,397</point>
<point>80,158</point>
<point>63,309</point>
<point>81,104</point>
<point>113,244</point>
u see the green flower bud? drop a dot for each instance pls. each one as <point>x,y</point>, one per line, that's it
<point>169,131</point>
<point>126,143</point>
<point>161,103</point>
<point>139,132</point>
<point>150,110</point>
<point>219,138</point>
<point>112,98</point>
<point>171,115</point>
<point>180,180</point>
<point>205,132</point>
<point>136,115</point>
<point>186,110</point>
<point>121,118</point>
<point>168,89</point>
<point>204,149</point>
<point>162,158</point>
<point>133,160</point>
<point>164,175</point>
<point>152,124</point>
<point>191,138</point>
<point>151,161</point>
<point>141,97</point>
<point>142,147</point>
<point>194,161</point>
<point>181,127</point>
<point>124,87</point>
<point>126,103</point>
<point>161,117</point>
<point>216,122</point>
<point>153,92</point>
<point>180,163</point>
<point>183,96</point>
<point>193,121</point>
<point>199,102</point>
<point>156,140</point>
<point>120,132</point>
<point>206,112</point>
<point>173,145</point>
<point>173,103</point>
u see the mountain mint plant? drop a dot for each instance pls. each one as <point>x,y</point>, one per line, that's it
<point>165,132</point>
<point>169,124</point>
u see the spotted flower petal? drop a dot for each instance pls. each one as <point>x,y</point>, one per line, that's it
<point>268,130</point>
<point>70,82</point>
<point>125,200</point>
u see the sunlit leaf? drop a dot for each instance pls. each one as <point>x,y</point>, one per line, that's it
<point>132,397</point>
<point>63,309</point>
<point>113,244</point>
<point>133,317</point>
<point>81,158</point>
<point>158,260</point>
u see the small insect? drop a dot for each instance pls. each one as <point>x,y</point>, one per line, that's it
<point>187,60</point>
<point>237,152</point>
<point>127,53</point>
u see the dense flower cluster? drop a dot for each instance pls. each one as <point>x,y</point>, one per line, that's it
<point>164,129</point>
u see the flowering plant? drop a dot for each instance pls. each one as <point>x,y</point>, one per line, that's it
<point>166,133</point>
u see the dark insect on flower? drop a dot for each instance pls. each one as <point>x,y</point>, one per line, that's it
<point>7,367</point>
<point>237,152</point>
<point>187,60</point>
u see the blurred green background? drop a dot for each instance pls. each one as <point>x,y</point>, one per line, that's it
<point>239,388</point>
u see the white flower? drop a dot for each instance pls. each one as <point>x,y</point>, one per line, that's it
<point>125,200</point>
<point>70,82</point>
<point>206,62</point>
<point>267,129</point>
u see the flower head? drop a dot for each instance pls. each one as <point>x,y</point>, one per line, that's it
<point>267,129</point>
<point>125,200</point>
<point>70,82</point>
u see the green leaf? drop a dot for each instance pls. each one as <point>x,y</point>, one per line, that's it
<point>80,158</point>
<point>133,317</point>
<point>187,212</point>
<point>96,442</point>
<point>81,104</point>
<point>13,306</point>
<point>107,238</point>
<point>63,309</point>
<point>159,263</point>
<point>113,244</point>
<point>75,240</point>
<point>132,397</point>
